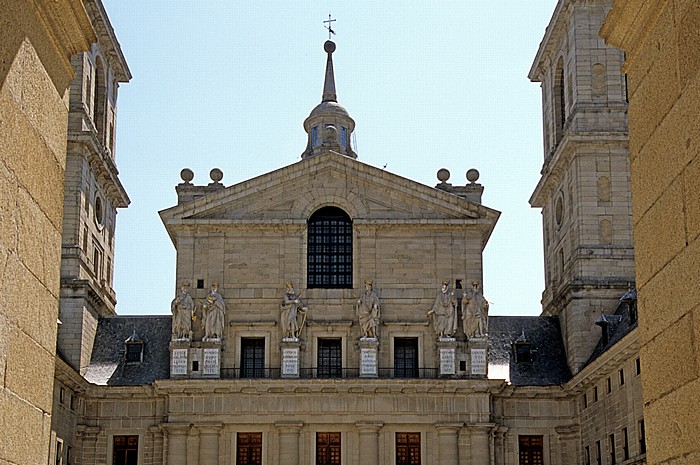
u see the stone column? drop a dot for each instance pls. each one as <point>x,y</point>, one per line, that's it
<point>209,444</point>
<point>481,445</point>
<point>289,442</point>
<point>177,443</point>
<point>448,448</point>
<point>369,442</point>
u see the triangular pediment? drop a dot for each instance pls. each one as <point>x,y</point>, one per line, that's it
<point>294,192</point>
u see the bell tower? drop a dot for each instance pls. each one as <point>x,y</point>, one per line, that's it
<point>584,189</point>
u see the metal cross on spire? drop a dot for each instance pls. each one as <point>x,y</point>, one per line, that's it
<point>329,27</point>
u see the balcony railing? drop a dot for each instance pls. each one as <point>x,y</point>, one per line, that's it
<point>330,373</point>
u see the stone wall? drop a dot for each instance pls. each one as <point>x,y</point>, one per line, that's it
<point>36,43</point>
<point>662,45</point>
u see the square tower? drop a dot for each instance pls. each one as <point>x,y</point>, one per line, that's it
<point>584,190</point>
<point>92,191</point>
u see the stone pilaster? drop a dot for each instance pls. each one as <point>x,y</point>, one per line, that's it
<point>500,445</point>
<point>480,443</point>
<point>448,446</point>
<point>193,446</point>
<point>369,442</point>
<point>288,450</point>
<point>209,443</point>
<point>155,436</point>
<point>88,435</point>
<point>569,439</point>
<point>176,434</point>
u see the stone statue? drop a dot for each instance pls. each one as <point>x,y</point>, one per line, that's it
<point>293,313</point>
<point>475,311</point>
<point>368,309</point>
<point>444,312</point>
<point>182,308</point>
<point>214,309</point>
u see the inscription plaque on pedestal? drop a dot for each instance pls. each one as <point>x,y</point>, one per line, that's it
<point>290,362</point>
<point>447,361</point>
<point>478,359</point>
<point>211,362</point>
<point>368,361</point>
<point>178,364</point>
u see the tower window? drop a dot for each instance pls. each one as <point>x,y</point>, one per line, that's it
<point>559,112</point>
<point>329,262</point>
<point>314,136</point>
<point>343,136</point>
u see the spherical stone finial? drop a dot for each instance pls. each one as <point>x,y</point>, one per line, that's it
<point>473,175</point>
<point>329,46</point>
<point>443,175</point>
<point>216,175</point>
<point>187,175</point>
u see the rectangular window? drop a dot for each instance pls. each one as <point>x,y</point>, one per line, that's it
<point>622,376</point>
<point>625,445</point>
<point>588,455</point>
<point>85,241</point>
<point>330,363</point>
<point>642,438</point>
<point>585,400</point>
<point>126,450</point>
<point>252,357</point>
<point>609,385</point>
<point>595,394</point>
<point>530,450</point>
<point>611,447</point>
<point>134,352</point>
<point>406,357</point>
<point>408,449</point>
<point>108,271</point>
<point>249,449</point>
<point>638,365</point>
<point>343,136</point>
<point>327,448</point>
<point>59,452</point>
<point>598,457</point>
<point>314,136</point>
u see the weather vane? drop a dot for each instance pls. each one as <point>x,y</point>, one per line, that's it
<point>329,27</point>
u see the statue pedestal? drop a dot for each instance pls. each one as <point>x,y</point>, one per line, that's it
<point>195,359</point>
<point>368,357</point>
<point>447,347</point>
<point>290,357</point>
<point>179,361</point>
<point>478,356</point>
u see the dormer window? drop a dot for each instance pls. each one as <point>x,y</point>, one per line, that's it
<point>523,352</point>
<point>134,349</point>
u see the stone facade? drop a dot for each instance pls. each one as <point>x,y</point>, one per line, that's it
<point>662,45</point>
<point>137,390</point>
<point>584,189</point>
<point>37,40</point>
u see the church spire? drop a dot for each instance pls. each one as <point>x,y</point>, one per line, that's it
<point>329,126</point>
<point>329,83</point>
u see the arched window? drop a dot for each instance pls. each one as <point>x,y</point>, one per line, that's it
<point>100,99</point>
<point>559,103</point>
<point>329,263</point>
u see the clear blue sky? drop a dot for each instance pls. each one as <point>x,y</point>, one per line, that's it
<point>431,85</point>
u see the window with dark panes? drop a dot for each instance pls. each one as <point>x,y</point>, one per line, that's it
<point>329,249</point>
<point>125,450</point>
<point>252,357</point>
<point>249,449</point>
<point>330,363</point>
<point>406,357</point>
<point>327,448</point>
<point>408,449</point>
<point>530,450</point>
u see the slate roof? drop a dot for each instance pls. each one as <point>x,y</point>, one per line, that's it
<point>548,366</point>
<point>618,326</point>
<point>108,362</point>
